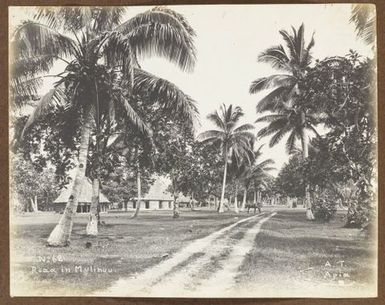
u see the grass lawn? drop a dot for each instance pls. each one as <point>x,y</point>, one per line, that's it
<point>289,251</point>
<point>292,252</point>
<point>124,247</point>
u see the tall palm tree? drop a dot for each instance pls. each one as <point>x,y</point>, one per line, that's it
<point>102,71</point>
<point>232,140</point>
<point>293,60</point>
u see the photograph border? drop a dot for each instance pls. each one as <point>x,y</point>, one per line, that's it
<point>4,166</point>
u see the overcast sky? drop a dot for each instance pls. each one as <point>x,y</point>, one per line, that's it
<point>229,39</point>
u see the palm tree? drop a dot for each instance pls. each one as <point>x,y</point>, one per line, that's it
<point>232,140</point>
<point>102,71</point>
<point>294,60</point>
<point>255,173</point>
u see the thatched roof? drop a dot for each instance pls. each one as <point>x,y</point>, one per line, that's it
<point>85,193</point>
<point>158,191</point>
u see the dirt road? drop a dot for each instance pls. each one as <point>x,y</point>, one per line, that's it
<point>206,267</point>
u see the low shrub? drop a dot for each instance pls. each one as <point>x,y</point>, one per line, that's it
<point>324,206</point>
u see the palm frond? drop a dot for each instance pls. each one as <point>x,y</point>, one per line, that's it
<point>166,94</point>
<point>246,136</point>
<point>263,164</point>
<point>276,56</point>
<point>273,127</point>
<point>31,66</point>
<point>162,33</point>
<point>278,136</point>
<point>107,18</point>
<point>274,100</point>
<point>70,19</point>
<point>290,143</point>
<point>241,150</point>
<point>244,127</point>
<point>165,41</point>
<point>270,118</point>
<point>177,16</point>
<point>307,53</point>
<point>24,89</point>
<point>34,39</point>
<point>211,135</point>
<point>216,119</point>
<point>242,141</point>
<point>290,43</point>
<point>258,152</point>
<point>276,80</point>
<point>300,43</point>
<point>363,16</point>
<point>51,99</point>
<point>133,117</point>
<point>232,116</point>
<point>159,15</point>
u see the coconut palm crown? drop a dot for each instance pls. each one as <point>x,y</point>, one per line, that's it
<point>287,120</point>
<point>292,61</point>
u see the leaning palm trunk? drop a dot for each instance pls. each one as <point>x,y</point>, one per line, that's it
<point>305,154</point>
<point>92,226</point>
<point>220,208</point>
<point>139,186</point>
<point>236,200</point>
<point>60,236</point>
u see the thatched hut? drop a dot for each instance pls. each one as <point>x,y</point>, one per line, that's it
<point>84,198</point>
<point>159,197</point>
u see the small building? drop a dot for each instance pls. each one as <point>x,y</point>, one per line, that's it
<point>84,201</point>
<point>159,197</point>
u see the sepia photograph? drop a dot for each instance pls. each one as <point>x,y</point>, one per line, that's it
<point>193,151</point>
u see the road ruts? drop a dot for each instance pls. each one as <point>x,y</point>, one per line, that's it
<point>189,272</point>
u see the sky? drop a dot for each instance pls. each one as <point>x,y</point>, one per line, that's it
<point>229,39</point>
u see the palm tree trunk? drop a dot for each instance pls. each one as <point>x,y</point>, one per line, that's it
<point>220,208</point>
<point>236,200</point>
<point>93,219</point>
<point>60,236</point>
<point>244,199</point>
<point>92,226</point>
<point>305,154</point>
<point>139,186</point>
<point>34,204</point>
<point>175,211</point>
<point>192,201</point>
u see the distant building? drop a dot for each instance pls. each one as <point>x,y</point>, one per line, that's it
<point>158,196</point>
<point>84,200</point>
